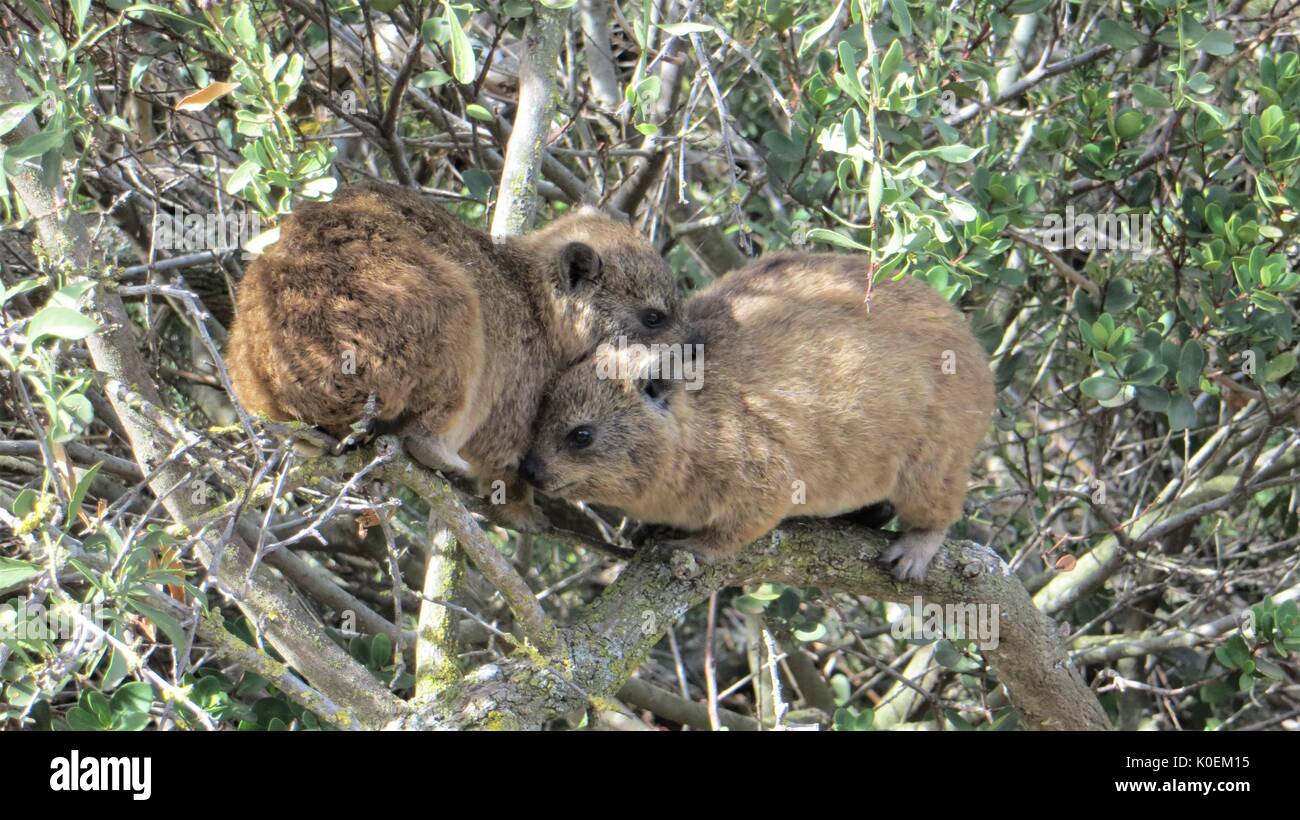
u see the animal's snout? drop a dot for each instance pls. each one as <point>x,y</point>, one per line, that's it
<point>531,468</point>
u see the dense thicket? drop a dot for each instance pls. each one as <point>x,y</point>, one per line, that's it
<point>1109,189</point>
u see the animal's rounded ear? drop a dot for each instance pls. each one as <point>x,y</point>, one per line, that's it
<point>579,262</point>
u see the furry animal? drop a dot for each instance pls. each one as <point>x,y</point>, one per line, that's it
<point>812,403</point>
<point>381,292</point>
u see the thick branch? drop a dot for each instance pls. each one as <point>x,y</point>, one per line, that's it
<point>540,48</point>
<point>600,59</point>
<point>436,666</point>
<point>617,632</point>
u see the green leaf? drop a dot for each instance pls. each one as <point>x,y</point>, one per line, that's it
<point>170,627</point>
<point>1278,367</point>
<point>848,79</point>
<point>136,696</point>
<point>24,286</point>
<point>1118,35</point>
<point>462,52</point>
<point>1219,43</point>
<point>97,705</point>
<point>1181,413</point>
<point>1130,124</point>
<point>381,651</point>
<point>1269,669</point>
<point>13,114</point>
<point>37,144</point>
<point>478,112</point>
<point>14,572</point>
<point>957,153</point>
<point>891,62</point>
<point>960,210</point>
<point>1100,388</point>
<point>131,721</point>
<point>903,17</point>
<point>25,502</point>
<point>79,9</point>
<point>83,487</point>
<point>782,146</point>
<point>1120,295</point>
<point>835,238</point>
<point>820,30</point>
<point>1148,376</point>
<point>812,633</point>
<point>1190,364</point>
<point>1270,122</point>
<point>61,322</point>
<point>1150,96</point>
<point>1217,114</point>
<point>842,688</point>
<point>242,176</point>
<point>478,182</point>
<point>1216,693</point>
<point>83,720</point>
<point>684,29</point>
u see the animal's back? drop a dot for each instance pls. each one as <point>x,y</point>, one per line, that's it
<point>852,395</point>
<point>352,300</point>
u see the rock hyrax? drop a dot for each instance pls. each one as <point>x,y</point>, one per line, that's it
<point>812,403</point>
<point>382,292</point>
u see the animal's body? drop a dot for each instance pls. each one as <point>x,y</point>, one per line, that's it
<point>813,403</point>
<point>382,292</point>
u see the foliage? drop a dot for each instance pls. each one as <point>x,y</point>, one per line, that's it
<point>987,148</point>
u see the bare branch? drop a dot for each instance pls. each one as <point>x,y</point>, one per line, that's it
<point>540,48</point>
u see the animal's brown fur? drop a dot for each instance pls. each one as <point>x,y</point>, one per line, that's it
<point>805,392</point>
<point>382,292</point>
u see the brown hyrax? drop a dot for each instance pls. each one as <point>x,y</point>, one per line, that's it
<point>382,292</point>
<point>812,402</point>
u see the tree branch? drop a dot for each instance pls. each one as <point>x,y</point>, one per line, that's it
<point>616,632</point>
<point>114,351</point>
<point>540,48</point>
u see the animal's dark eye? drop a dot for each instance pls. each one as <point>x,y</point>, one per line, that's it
<point>652,318</point>
<point>580,437</point>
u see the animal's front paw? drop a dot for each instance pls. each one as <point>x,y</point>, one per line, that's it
<point>907,565</point>
<point>521,517</point>
<point>434,452</point>
<point>912,553</point>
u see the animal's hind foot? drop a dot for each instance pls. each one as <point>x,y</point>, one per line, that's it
<point>521,516</point>
<point>363,427</point>
<point>912,553</point>
<point>435,453</point>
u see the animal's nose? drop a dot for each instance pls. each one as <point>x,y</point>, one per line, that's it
<point>530,468</point>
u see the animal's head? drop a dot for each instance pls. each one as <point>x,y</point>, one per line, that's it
<point>608,429</point>
<point>611,280</point>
